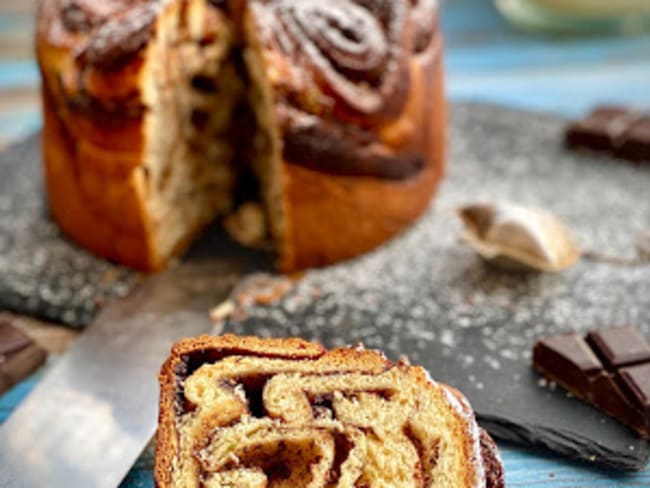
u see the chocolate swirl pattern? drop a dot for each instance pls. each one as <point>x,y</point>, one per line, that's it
<point>353,49</point>
<point>350,75</point>
<point>77,17</point>
<point>345,150</point>
<point>121,37</point>
<point>338,105</point>
<point>423,17</point>
<point>343,418</point>
<point>80,16</point>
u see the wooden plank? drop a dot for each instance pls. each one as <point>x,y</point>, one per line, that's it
<point>18,125</point>
<point>508,54</point>
<point>51,337</point>
<point>18,73</point>
<point>18,98</point>
<point>27,7</point>
<point>531,469</point>
<point>569,92</point>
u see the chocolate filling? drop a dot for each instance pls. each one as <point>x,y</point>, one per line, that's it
<point>287,460</point>
<point>192,361</point>
<point>275,462</point>
<point>77,17</point>
<point>204,84</point>
<point>427,455</point>
<point>322,407</point>
<point>220,4</point>
<point>494,476</point>
<point>346,150</point>
<point>322,143</point>
<point>424,29</point>
<point>342,449</point>
<point>254,390</point>
<point>110,112</point>
<point>121,38</point>
<point>288,463</point>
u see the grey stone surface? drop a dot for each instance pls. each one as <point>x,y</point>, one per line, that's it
<point>431,298</point>
<point>423,294</point>
<point>42,273</point>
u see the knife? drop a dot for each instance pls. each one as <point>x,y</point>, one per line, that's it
<point>89,419</point>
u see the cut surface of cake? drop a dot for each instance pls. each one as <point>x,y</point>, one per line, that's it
<point>318,126</point>
<point>250,412</point>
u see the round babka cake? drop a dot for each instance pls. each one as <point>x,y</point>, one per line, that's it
<point>249,412</point>
<point>316,125</point>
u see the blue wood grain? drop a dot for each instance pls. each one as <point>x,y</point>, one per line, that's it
<point>19,123</point>
<point>477,39</point>
<point>18,73</point>
<point>526,53</point>
<point>487,59</point>
<point>10,24</point>
<point>564,91</point>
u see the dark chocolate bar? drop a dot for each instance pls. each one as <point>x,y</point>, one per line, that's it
<point>609,368</point>
<point>619,131</point>
<point>19,356</point>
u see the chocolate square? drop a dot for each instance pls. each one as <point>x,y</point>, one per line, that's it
<point>594,131</point>
<point>569,357</point>
<point>574,348</point>
<point>20,356</point>
<point>637,142</point>
<point>610,369</point>
<point>619,346</point>
<point>636,380</point>
<point>620,131</point>
<point>12,340</point>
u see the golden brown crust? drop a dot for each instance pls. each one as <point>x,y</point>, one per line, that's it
<point>330,217</point>
<point>167,439</point>
<point>85,203</point>
<point>336,217</point>
<point>333,217</point>
<point>95,144</point>
<point>94,189</point>
<point>92,59</point>
<point>189,355</point>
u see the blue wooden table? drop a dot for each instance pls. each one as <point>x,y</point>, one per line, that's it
<point>487,60</point>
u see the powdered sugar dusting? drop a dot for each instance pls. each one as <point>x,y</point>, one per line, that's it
<point>464,410</point>
<point>426,295</point>
<point>460,405</point>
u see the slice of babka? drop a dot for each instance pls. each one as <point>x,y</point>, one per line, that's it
<point>250,412</point>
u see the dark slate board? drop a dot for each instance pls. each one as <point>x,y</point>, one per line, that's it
<point>422,295</point>
<point>41,273</point>
<point>47,276</point>
<point>426,296</point>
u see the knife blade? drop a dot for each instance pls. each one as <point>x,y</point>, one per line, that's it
<point>91,416</point>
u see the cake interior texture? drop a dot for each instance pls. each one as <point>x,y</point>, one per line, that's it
<point>288,414</point>
<point>211,142</point>
<point>314,129</point>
